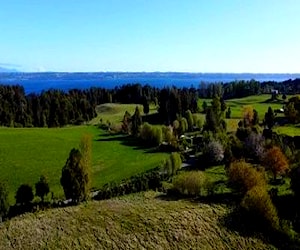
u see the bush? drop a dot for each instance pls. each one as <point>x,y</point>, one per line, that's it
<point>258,204</point>
<point>191,183</point>
<point>151,135</point>
<point>24,194</point>
<point>243,176</point>
<point>214,152</point>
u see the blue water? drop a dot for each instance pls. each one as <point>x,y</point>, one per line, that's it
<point>36,82</point>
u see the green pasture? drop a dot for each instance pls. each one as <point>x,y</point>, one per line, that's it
<point>25,154</point>
<point>114,112</point>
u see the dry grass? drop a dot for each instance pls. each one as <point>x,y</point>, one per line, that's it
<point>140,221</point>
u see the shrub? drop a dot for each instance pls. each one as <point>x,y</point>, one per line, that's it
<point>258,203</point>
<point>243,176</point>
<point>214,151</point>
<point>190,183</point>
<point>24,194</point>
<point>175,162</point>
<point>152,135</point>
<point>168,134</point>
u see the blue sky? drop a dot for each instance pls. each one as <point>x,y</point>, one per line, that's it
<point>151,35</point>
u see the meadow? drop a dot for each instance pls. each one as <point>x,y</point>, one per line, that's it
<point>146,220</point>
<point>25,154</point>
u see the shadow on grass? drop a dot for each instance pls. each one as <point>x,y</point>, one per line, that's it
<point>274,101</point>
<point>250,226</point>
<point>128,141</point>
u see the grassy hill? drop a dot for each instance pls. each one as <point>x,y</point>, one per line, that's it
<point>140,221</point>
<point>25,154</point>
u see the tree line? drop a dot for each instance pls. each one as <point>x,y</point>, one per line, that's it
<point>56,108</point>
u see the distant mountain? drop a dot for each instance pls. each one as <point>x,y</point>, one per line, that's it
<point>6,70</point>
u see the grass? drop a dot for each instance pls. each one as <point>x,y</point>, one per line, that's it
<point>25,154</point>
<point>140,221</point>
<point>291,130</point>
<point>114,112</point>
<point>260,103</point>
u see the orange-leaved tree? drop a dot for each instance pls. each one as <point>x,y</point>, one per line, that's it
<point>276,161</point>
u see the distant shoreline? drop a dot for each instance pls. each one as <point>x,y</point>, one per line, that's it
<point>37,82</point>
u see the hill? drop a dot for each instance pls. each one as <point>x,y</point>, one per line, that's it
<point>140,221</point>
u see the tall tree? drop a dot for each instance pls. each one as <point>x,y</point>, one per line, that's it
<point>270,118</point>
<point>75,178</point>
<point>136,122</point>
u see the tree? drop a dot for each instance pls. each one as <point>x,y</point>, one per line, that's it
<point>42,187</point>
<point>243,177</point>
<point>270,118</point>
<point>258,202</point>
<point>255,120</point>
<point>214,116</point>
<point>190,120</point>
<point>228,113</point>
<point>24,194</point>
<point>214,151</point>
<point>291,112</point>
<point>126,123</point>
<point>146,108</point>
<point>204,106</point>
<point>276,161</point>
<point>255,146</point>
<point>284,97</point>
<point>248,115</point>
<point>136,122</point>
<point>4,204</point>
<point>75,177</point>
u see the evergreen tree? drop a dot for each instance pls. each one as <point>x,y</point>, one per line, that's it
<point>136,122</point>
<point>270,118</point>
<point>75,177</point>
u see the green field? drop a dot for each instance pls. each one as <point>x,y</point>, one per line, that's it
<point>114,112</point>
<point>25,154</point>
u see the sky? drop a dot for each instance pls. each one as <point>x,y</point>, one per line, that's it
<point>233,36</point>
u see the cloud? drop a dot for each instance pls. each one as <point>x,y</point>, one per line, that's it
<point>10,65</point>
